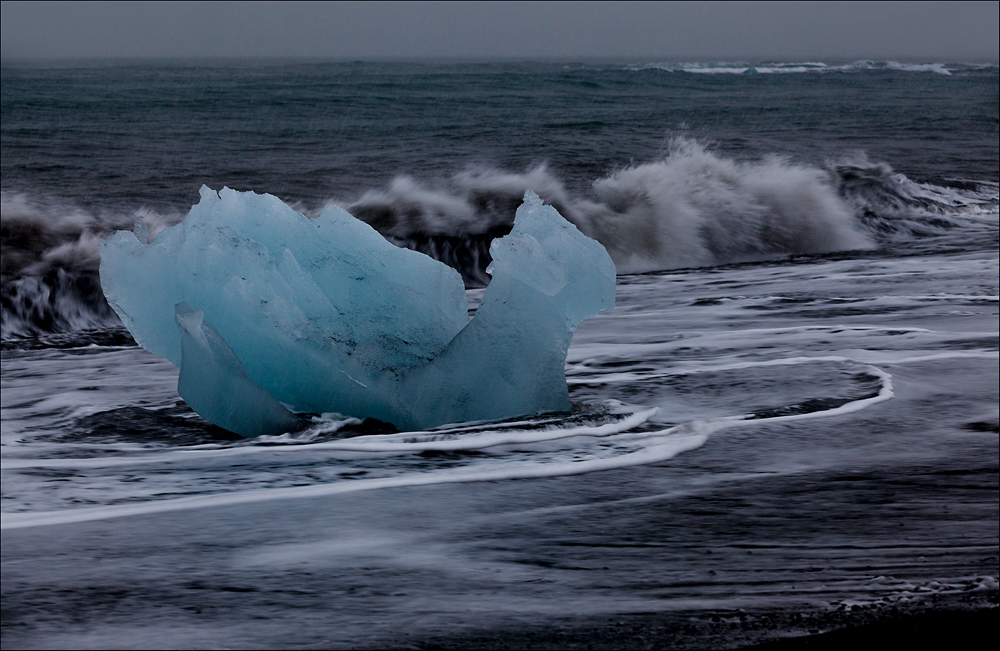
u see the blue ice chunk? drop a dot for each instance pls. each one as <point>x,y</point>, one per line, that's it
<point>215,384</point>
<point>325,315</point>
<point>317,310</point>
<point>509,361</point>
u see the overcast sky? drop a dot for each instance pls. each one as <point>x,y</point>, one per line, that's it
<point>933,31</point>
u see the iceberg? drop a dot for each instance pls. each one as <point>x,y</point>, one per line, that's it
<point>267,312</point>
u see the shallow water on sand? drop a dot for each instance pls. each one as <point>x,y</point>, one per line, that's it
<point>816,434</point>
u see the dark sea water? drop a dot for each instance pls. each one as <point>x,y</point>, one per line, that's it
<point>791,415</point>
<point>437,156</point>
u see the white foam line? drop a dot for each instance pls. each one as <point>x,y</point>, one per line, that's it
<point>586,351</point>
<point>167,457</point>
<point>885,393</point>
<point>482,425</point>
<point>375,443</point>
<point>891,298</point>
<point>985,354</point>
<point>973,297</point>
<point>636,377</point>
<point>874,358</point>
<point>487,440</point>
<point>652,454</point>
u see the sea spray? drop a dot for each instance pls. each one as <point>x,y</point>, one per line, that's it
<point>692,207</point>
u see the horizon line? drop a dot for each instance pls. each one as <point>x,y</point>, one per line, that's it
<point>11,59</point>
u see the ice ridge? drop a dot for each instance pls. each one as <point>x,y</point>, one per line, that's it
<point>265,311</point>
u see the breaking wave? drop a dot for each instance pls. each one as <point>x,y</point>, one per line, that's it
<point>693,207</point>
<point>50,256</point>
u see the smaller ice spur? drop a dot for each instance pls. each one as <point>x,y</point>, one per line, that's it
<point>267,312</point>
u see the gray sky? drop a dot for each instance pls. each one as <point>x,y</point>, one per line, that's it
<point>933,31</point>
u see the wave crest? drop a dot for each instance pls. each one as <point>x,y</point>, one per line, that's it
<point>695,208</point>
<point>692,207</point>
<point>50,258</point>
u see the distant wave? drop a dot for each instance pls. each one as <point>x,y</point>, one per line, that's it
<point>693,207</point>
<point>815,67</point>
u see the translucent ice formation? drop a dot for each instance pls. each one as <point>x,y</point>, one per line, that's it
<point>263,308</point>
<point>213,381</point>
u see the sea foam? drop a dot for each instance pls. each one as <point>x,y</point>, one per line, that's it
<point>691,207</point>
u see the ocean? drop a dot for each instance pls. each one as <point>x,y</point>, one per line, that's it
<point>788,424</point>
